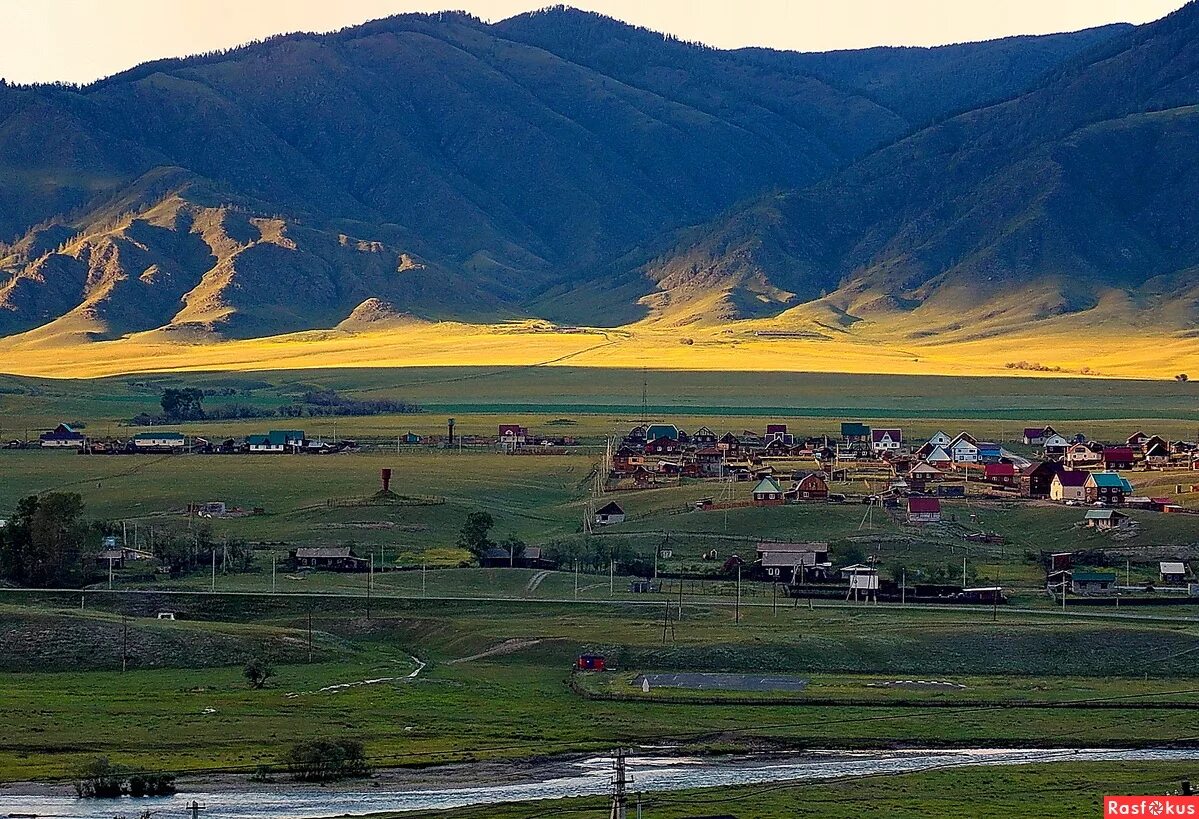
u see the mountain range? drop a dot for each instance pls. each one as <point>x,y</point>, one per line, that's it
<point>565,167</point>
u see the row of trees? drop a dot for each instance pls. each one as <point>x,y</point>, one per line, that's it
<point>44,543</point>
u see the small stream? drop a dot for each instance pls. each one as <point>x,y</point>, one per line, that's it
<point>465,785</point>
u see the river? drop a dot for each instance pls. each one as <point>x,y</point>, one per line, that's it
<point>464,785</point>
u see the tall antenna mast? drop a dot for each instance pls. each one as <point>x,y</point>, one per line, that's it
<point>644,397</point>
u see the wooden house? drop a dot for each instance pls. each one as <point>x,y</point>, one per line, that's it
<point>1055,445</point>
<point>924,510</point>
<point>808,486</point>
<point>768,493</point>
<point>330,558</point>
<point>62,436</point>
<point>1036,478</point>
<point>964,449</point>
<point>1001,474</point>
<point>1069,485</point>
<point>1118,457</point>
<point>883,441</point>
<point>1108,487</point>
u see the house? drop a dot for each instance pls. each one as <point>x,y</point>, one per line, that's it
<point>1084,456</point>
<point>1104,519</point>
<point>729,444</point>
<point>1055,445</point>
<point>644,477</point>
<point>989,451</point>
<point>1093,582</point>
<point>62,436</point>
<point>768,493</point>
<point>636,437</point>
<point>512,436</point>
<point>964,449</point>
<point>792,562</point>
<point>924,510</point>
<point>885,440</point>
<point>1172,572</point>
<point>625,458</point>
<point>1036,478</point>
<point>923,474</point>
<point>1118,457</point>
<point>939,439</point>
<point>1001,474</point>
<point>331,558</point>
<point>655,431</point>
<point>608,514</point>
<point>776,449</point>
<point>710,461</point>
<point>1035,436</point>
<point>157,442</point>
<point>778,432</point>
<point>1108,487</point>
<point>703,438</point>
<point>662,446</point>
<point>277,440</point>
<point>939,458</point>
<point>1069,485</point>
<point>530,557</point>
<point>854,432</point>
<point>1157,455</point>
<point>808,486</point>
<point>410,439</point>
<point>1137,440</point>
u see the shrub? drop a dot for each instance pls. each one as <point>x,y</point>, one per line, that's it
<point>257,672</point>
<point>99,779</point>
<point>324,760</point>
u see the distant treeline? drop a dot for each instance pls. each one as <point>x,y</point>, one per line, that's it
<point>187,404</point>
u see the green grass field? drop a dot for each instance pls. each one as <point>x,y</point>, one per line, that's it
<point>496,681</point>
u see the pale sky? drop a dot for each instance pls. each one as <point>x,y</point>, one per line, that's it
<point>81,40</point>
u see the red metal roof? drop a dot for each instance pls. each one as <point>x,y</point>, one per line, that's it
<point>924,505</point>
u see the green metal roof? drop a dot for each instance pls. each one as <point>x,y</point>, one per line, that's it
<point>656,431</point>
<point>1111,480</point>
<point>1094,577</point>
<point>766,486</point>
<point>854,429</point>
<point>1102,514</point>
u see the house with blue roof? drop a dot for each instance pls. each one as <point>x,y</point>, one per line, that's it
<point>1109,487</point>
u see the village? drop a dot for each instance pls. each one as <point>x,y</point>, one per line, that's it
<point>919,485</point>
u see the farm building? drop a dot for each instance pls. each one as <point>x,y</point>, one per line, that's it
<point>768,493</point>
<point>161,441</point>
<point>1109,487</point>
<point>277,440</point>
<point>332,558</point>
<point>1093,582</point>
<point>808,486</point>
<point>924,510</point>
<point>1104,519</point>
<point>1172,571</point>
<point>62,436</point>
<point>1069,485</point>
<point>609,514</point>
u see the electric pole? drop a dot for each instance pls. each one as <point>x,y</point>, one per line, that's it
<point>620,782</point>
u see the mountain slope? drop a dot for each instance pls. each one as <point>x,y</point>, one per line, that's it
<point>1067,198</point>
<point>437,167</point>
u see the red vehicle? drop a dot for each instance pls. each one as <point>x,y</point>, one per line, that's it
<point>590,662</point>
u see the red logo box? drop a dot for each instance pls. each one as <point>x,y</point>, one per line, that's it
<point>1150,806</point>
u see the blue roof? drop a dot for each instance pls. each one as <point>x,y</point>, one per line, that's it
<point>1111,480</point>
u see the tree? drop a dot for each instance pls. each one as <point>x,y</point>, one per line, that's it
<point>1183,377</point>
<point>514,546</point>
<point>257,672</point>
<point>99,779</point>
<point>474,533</point>
<point>42,545</point>
<point>183,405</point>
<point>323,760</point>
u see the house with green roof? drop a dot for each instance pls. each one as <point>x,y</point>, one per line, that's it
<point>656,431</point>
<point>277,440</point>
<point>768,493</point>
<point>1109,487</point>
<point>1093,582</point>
<point>1104,519</point>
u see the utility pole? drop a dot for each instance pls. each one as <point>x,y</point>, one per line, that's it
<point>370,578</point>
<point>422,579</point>
<point>963,572</point>
<point>274,560</point>
<point>620,782</point>
<point>903,589</point>
<point>576,578</point>
<point>737,608</point>
<point>212,588</point>
<point>611,576</point>
<point>194,809</point>
<point>310,632</point>
<point>124,643</point>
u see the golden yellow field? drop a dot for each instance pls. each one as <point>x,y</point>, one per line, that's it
<point>1060,349</point>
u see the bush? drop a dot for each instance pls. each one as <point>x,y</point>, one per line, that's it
<point>324,760</point>
<point>159,784</point>
<point>257,672</point>
<point>99,779</point>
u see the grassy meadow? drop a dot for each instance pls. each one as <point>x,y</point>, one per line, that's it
<point>495,683</point>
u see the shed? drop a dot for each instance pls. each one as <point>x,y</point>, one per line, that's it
<point>608,514</point>
<point>924,510</point>
<point>1093,582</point>
<point>1104,519</point>
<point>1172,571</point>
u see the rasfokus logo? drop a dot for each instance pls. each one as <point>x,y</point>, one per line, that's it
<point>1151,806</point>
